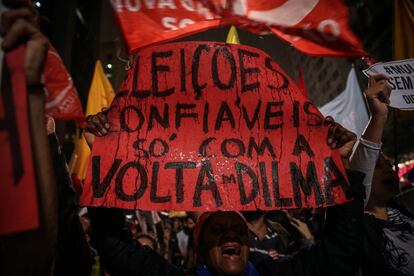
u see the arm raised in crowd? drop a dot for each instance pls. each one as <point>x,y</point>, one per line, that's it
<point>368,147</point>
<point>72,246</point>
<point>338,252</point>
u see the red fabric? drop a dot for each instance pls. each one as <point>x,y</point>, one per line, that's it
<point>315,27</point>
<point>62,99</point>
<point>206,126</point>
<point>402,171</point>
<point>18,196</point>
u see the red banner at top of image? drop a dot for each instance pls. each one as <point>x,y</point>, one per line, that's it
<point>315,27</point>
<point>212,126</point>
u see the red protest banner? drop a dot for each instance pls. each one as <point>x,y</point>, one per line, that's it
<point>18,200</point>
<point>315,27</point>
<point>208,126</point>
<point>62,99</point>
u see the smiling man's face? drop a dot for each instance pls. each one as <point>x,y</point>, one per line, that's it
<point>224,245</point>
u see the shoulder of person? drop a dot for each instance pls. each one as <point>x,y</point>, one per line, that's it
<point>404,202</point>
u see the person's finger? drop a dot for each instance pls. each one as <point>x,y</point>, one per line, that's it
<point>95,121</point>
<point>343,136</point>
<point>381,82</point>
<point>9,17</point>
<point>92,124</point>
<point>331,134</point>
<point>328,120</point>
<point>103,120</point>
<point>349,136</point>
<point>340,136</point>
<point>91,128</point>
<point>99,125</point>
<point>383,88</point>
<point>388,89</point>
<point>35,58</point>
<point>297,221</point>
<point>20,30</point>
<point>383,93</point>
<point>371,81</point>
<point>294,223</point>
<point>382,97</point>
<point>379,77</point>
<point>387,92</point>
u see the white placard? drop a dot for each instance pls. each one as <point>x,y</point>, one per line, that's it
<point>401,80</point>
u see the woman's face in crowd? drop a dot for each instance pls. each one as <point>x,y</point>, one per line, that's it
<point>225,248</point>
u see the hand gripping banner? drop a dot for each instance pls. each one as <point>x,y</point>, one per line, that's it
<point>212,126</point>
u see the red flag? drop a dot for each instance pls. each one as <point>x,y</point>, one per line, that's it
<point>62,100</point>
<point>315,27</point>
<point>18,196</point>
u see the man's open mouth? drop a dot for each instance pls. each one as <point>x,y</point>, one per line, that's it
<point>231,249</point>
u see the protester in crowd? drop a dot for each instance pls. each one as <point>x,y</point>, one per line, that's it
<point>267,239</point>
<point>298,218</point>
<point>300,229</point>
<point>388,225</point>
<point>389,218</point>
<point>177,258</point>
<point>146,240</point>
<point>169,246</point>
<point>368,147</point>
<point>72,246</point>
<point>71,255</point>
<point>183,235</point>
<point>190,261</point>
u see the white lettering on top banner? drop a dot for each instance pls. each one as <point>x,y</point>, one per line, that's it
<point>401,80</point>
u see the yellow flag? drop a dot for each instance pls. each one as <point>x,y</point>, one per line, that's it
<point>100,95</point>
<point>403,33</point>
<point>403,29</point>
<point>232,36</point>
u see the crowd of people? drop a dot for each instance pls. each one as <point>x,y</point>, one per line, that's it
<point>273,234</point>
<point>373,234</point>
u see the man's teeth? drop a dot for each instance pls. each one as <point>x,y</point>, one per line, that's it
<point>231,251</point>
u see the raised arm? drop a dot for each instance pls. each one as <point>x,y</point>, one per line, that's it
<point>72,246</point>
<point>338,252</point>
<point>369,145</point>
